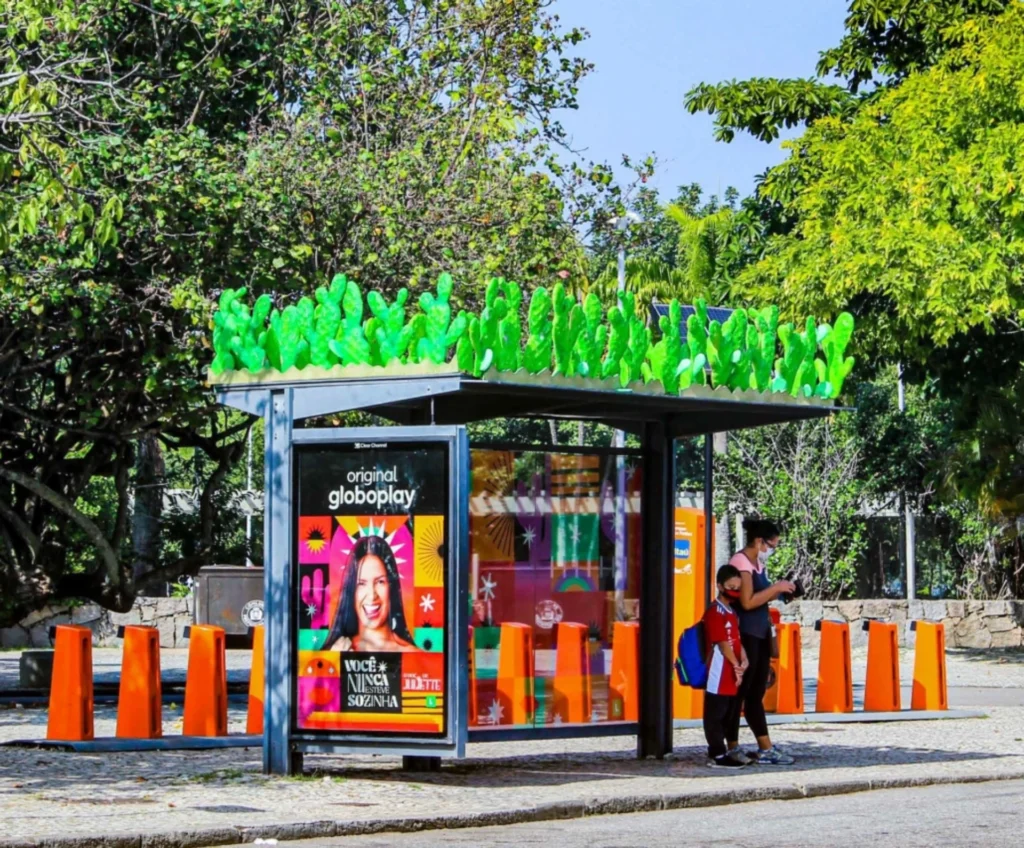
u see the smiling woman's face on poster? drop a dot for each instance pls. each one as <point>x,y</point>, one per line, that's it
<point>371,615</point>
<point>372,553</point>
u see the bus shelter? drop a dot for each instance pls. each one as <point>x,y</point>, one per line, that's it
<point>371,586</point>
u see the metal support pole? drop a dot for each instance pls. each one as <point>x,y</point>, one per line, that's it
<point>248,491</point>
<point>709,518</point>
<point>907,537</point>
<point>277,585</point>
<point>656,586</point>
<point>619,438</point>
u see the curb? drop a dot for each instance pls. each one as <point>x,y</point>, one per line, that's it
<point>543,812</point>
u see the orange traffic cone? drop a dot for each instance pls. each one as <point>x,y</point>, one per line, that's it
<point>882,687</point>
<point>624,681</point>
<point>71,702</point>
<point>790,675</point>
<point>254,718</point>
<point>515,704</point>
<point>835,669</point>
<point>929,692</point>
<point>206,685</point>
<point>771,695</point>
<point>139,708</point>
<point>571,686</point>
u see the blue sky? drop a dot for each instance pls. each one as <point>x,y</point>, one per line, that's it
<point>649,53</point>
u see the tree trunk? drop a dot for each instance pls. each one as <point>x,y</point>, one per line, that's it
<point>149,507</point>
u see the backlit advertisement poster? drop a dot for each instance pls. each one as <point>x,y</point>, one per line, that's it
<point>373,559</point>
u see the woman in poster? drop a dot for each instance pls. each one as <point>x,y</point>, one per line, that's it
<point>370,616</point>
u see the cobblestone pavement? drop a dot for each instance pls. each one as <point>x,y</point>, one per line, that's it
<point>46,795</point>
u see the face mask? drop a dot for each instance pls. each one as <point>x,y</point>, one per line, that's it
<point>763,557</point>
<point>731,594</point>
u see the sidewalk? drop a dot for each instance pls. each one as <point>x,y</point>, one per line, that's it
<point>220,797</point>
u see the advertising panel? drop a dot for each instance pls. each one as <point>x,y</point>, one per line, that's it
<point>372,589</point>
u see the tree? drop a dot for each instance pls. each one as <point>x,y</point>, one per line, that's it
<point>690,248</point>
<point>885,41</point>
<point>153,154</point>
<point>805,476</point>
<point>909,215</point>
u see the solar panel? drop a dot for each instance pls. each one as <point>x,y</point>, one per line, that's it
<point>715,313</point>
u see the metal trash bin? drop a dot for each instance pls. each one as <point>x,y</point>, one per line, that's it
<point>230,596</point>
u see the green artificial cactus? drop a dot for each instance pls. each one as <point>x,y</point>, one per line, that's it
<point>465,349</point>
<point>434,328</point>
<point>387,332</point>
<point>618,336</point>
<point>508,353</point>
<point>238,336</point>
<point>835,369</point>
<point>564,336</point>
<point>537,355</point>
<point>592,339</point>
<point>568,324</point>
<point>350,344</point>
<point>285,345</point>
<point>326,322</point>
<point>631,366</point>
<point>795,371</point>
<point>667,356</point>
<point>697,340</point>
<point>761,339</point>
<point>726,350</point>
<point>486,333</point>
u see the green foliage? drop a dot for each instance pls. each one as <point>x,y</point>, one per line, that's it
<point>885,41</point>
<point>154,155</point>
<point>806,476</point>
<point>908,214</point>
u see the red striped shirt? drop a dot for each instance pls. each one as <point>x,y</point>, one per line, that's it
<point>721,624</point>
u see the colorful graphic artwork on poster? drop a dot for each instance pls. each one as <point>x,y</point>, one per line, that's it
<point>372,562</point>
<point>554,545</point>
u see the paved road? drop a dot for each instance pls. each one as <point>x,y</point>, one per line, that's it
<point>980,814</point>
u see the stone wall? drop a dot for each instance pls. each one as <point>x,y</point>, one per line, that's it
<point>170,615</point>
<point>969,624</point>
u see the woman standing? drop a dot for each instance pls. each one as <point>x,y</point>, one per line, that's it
<point>756,592</point>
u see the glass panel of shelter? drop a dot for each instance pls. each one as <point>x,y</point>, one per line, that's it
<point>555,562</point>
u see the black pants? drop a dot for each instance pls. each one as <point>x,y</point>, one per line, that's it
<point>755,681</point>
<point>721,712</point>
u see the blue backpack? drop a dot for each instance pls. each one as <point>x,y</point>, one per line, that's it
<point>692,659</point>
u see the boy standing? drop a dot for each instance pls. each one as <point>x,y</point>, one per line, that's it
<point>725,669</point>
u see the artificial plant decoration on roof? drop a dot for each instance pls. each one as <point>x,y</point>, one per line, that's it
<point>564,339</point>
<point>434,329</point>
<point>537,355</point>
<point>591,341</point>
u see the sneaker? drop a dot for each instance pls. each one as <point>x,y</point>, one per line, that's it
<point>725,762</point>
<point>773,757</point>
<point>741,756</point>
